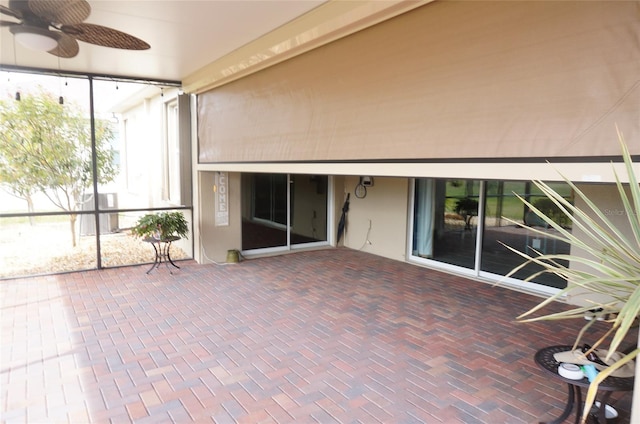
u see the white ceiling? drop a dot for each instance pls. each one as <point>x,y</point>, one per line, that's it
<point>184,35</point>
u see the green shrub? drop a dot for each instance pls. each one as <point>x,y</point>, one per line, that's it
<point>164,225</point>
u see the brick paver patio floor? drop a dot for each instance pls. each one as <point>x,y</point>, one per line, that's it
<point>326,336</point>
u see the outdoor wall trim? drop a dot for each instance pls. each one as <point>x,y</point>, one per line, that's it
<point>329,22</point>
<point>592,172</point>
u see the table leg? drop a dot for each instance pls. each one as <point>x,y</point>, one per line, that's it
<point>579,405</point>
<point>156,261</point>
<point>601,416</point>
<point>569,407</point>
<point>169,256</point>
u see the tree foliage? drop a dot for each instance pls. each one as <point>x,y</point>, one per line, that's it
<point>46,147</point>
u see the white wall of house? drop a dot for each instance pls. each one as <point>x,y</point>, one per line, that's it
<point>144,167</point>
<point>146,173</point>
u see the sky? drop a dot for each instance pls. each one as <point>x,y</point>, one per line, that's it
<point>106,93</point>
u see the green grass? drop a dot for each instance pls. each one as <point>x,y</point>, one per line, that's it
<point>512,207</point>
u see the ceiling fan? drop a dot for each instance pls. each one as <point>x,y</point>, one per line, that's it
<point>55,26</point>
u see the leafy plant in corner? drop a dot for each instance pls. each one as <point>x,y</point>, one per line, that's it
<point>609,267</point>
<point>161,225</point>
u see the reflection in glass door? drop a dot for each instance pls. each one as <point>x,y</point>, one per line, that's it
<point>445,220</point>
<point>280,210</point>
<point>534,236</point>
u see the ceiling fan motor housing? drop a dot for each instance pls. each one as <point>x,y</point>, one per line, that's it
<point>55,26</point>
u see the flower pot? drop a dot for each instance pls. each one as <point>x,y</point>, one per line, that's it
<point>233,256</point>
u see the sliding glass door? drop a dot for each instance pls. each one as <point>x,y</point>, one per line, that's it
<point>466,224</point>
<point>281,211</point>
<point>445,224</point>
<point>502,207</point>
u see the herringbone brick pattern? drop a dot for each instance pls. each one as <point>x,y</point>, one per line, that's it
<point>332,336</point>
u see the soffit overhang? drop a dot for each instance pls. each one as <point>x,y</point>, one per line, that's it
<point>329,22</point>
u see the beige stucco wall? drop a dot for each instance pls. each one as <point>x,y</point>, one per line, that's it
<point>384,208</point>
<point>215,241</point>
<point>384,211</point>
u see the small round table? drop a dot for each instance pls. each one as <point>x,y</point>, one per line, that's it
<point>545,360</point>
<point>162,248</point>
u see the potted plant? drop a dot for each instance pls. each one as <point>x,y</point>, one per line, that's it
<point>608,269</point>
<point>161,226</point>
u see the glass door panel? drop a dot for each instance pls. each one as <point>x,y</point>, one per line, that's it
<point>501,202</point>
<point>280,210</point>
<point>308,208</point>
<point>264,211</point>
<point>445,226</point>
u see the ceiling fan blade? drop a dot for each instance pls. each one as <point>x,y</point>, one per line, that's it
<point>65,12</point>
<point>67,47</point>
<point>11,12</point>
<point>104,36</point>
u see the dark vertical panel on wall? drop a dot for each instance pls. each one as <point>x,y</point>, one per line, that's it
<point>447,80</point>
<point>184,128</point>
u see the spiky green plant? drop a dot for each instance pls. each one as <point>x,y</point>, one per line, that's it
<point>609,267</point>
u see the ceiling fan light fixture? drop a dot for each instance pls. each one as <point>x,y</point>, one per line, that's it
<point>35,38</point>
